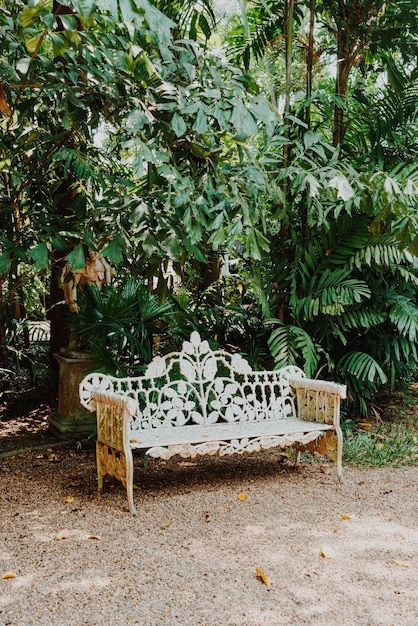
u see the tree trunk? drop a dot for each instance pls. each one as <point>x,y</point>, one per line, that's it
<point>344,65</point>
<point>3,350</point>
<point>289,12</point>
<point>59,313</point>
<point>354,22</point>
<point>309,60</point>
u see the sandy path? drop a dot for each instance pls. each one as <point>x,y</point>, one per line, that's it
<point>190,555</point>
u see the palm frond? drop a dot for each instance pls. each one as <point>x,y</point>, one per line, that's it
<point>363,366</point>
<point>344,238</point>
<point>264,27</point>
<point>292,345</point>
<point>190,17</point>
<point>118,324</point>
<point>404,315</point>
<point>385,130</point>
<point>384,253</point>
<point>361,317</point>
<point>329,294</point>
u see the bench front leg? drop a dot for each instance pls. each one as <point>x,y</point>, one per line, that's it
<point>113,452</point>
<point>129,481</point>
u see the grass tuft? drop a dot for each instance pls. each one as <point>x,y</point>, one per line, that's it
<point>391,439</point>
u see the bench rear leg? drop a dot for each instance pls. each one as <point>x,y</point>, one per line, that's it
<point>129,480</point>
<point>297,455</point>
<point>100,470</point>
<point>339,434</point>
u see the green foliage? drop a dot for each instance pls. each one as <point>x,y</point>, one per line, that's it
<point>261,26</point>
<point>330,277</point>
<point>172,173</point>
<point>200,189</point>
<point>220,317</point>
<point>393,441</point>
<point>117,325</point>
<point>292,345</point>
<point>26,351</point>
<point>195,20</point>
<point>120,134</point>
<point>383,130</point>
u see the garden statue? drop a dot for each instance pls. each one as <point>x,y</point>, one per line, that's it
<point>97,272</point>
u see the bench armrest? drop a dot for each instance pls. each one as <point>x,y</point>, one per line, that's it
<point>114,413</point>
<point>318,400</point>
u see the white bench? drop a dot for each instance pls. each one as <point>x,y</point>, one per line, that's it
<point>198,401</point>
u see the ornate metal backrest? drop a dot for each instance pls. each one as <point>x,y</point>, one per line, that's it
<point>200,386</point>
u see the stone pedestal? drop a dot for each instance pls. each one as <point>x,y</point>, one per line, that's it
<point>72,420</point>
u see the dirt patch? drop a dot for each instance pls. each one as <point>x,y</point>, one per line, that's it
<point>335,553</point>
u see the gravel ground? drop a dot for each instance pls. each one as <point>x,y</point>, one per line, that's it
<point>336,554</point>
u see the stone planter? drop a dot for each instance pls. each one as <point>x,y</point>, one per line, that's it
<point>71,420</point>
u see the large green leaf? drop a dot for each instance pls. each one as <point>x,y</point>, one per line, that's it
<point>85,7</point>
<point>362,366</point>
<point>40,256</point>
<point>243,120</point>
<point>4,262</point>
<point>292,345</point>
<point>76,258</point>
<point>115,249</point>
<point>404,315</point>
<point>178,125</point>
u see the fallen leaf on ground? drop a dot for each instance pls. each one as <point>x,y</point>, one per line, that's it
<point>94,537</point>
<point>343,516</point>
<point>327,552</point>
<point>243,497</point>
<point>64,534</point>
<point>8,575</point>
<point>69,499</point>
<point>401,563</point>
<point>262,576</point>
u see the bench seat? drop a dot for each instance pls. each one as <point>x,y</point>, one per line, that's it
<point>292,429</point>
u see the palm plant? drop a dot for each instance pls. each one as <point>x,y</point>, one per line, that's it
<point>384,129</point>
<point>262,25</point>
<point>193,19</point>
<point>347,304</point>
<point>118,325</point>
